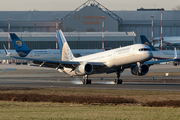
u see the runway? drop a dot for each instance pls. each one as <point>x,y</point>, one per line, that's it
<point>94,85</point>
<point>48,78</point>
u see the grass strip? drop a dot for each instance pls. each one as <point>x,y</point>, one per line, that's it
<point>169,103</point>
<point>64,99</point>
<point>91,96</point>
<point>62,111</point>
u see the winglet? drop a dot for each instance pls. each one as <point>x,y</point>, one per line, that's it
<point>7,53</point>
<point>175,53</point>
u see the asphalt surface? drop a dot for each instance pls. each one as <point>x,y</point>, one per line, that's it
<point>34,77</point>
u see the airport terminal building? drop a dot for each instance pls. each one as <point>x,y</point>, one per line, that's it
<point>83,26</point>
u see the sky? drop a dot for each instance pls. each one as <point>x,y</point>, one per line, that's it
<point>70,5</point>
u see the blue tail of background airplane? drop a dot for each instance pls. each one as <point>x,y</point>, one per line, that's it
<point>65,51</point>
<point>145,41</point>
<point>19,46</point>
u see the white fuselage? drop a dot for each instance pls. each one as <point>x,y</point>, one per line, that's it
<point>116,57</point>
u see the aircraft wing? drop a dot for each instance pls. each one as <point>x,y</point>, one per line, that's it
<point>59,64</point>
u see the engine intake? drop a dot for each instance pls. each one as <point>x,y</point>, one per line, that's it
<point>85,68</point>
<point>139,71</point>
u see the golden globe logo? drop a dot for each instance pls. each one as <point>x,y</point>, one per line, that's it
<point>19,43</point>
<point>146,43</point>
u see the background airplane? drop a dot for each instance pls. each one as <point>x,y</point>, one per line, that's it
<point>170,41</point>
<point>161,55</point>
<point>115,60</point>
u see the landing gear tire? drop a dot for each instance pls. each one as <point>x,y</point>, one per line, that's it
<point>83,81</point>
<point>86,81</point>
<point>89,81</point>
<point>118,81</point>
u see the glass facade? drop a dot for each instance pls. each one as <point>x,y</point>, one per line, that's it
<point>72,44</point>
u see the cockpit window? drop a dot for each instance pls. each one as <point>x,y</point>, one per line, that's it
<point>145,49</point>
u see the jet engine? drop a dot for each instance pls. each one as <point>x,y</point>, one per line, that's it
<point>85,68</point>
<point>140,70</point>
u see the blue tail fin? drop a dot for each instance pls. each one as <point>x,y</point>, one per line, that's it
<point>65,51</point>
<point>19,46</point>
<point>145,41</point>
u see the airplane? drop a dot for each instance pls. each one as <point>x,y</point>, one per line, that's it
<point>170,41</point>
<point>161,55</point>
<point>23,51</point>
<point>116,60</point>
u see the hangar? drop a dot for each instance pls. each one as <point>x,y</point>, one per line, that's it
<point>87,18</point>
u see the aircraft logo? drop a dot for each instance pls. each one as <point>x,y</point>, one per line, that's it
<point>66,53</point>
<point>19,43</point>
<point>146,43</point>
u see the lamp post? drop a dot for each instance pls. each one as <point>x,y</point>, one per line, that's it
<point>103,31</point>
<point>56,33</point>
<point>152,30</point>
<point>9,33</point>
<point>161,28</point>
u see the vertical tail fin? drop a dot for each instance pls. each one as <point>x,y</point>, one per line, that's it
<point>19,46</point>
<point>65,51</point>
<point>145,41</point>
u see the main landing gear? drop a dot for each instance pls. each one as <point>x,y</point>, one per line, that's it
<point>118,81</point>
<point>86,80</point>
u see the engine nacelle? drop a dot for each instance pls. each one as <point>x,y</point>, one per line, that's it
<point>85,68</point>
<point>143,70</point>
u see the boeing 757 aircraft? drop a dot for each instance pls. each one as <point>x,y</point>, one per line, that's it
<point>23,51</point>
<point>115,60</point>
<point>164,54</point>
